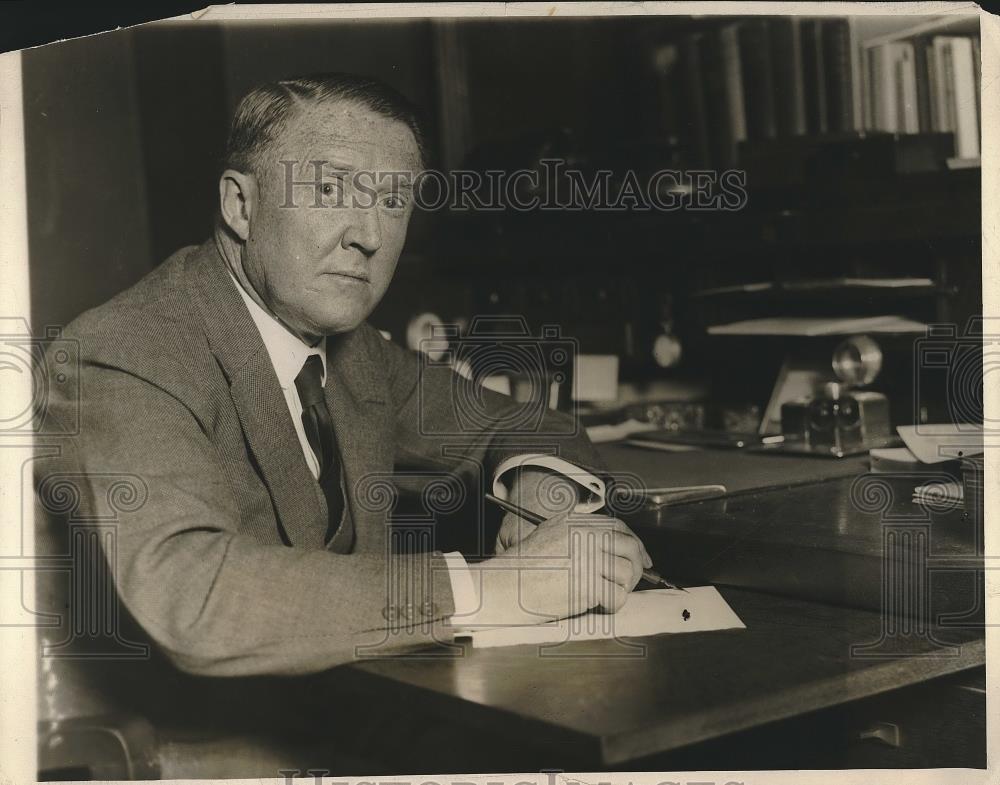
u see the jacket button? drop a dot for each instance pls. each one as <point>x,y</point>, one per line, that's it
<point>429,608</point>
<point>406,610</point>
<point>390,613</point>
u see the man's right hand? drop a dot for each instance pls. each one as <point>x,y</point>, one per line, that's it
<point>569,564</point>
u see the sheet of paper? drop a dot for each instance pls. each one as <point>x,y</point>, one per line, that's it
<point>934,442</point>
<point>599,434</point>
<point>939,493</point>
<point>653,612</point>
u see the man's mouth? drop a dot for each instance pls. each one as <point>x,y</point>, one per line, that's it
<point>353,276</point>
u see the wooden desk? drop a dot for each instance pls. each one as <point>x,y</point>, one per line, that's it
<point>831,541</point>
<point>602,704</point>
<point>764,697</point>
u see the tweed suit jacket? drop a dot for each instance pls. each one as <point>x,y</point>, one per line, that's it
<point>222,561</point>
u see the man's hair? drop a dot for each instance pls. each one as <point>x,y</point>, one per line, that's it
<point>263,113</point>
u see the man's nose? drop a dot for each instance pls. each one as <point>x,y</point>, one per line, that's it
<point>364,231</point>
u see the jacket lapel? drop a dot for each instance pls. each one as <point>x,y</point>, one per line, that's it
<point>355,397</point>
<point>257,396</point>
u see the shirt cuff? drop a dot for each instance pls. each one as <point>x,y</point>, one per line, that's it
<point>592,487</point>
<point>462,590</point>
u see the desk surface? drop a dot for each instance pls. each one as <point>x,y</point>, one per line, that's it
<point>738,470</point>
<point>622,703</point>
<point>828,541</point>
<point>618,703</point>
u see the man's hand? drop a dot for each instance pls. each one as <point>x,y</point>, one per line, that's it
<point>539,491</point>
<point>567,565</point>
<point>513,529</point>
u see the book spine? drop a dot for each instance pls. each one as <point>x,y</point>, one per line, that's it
<point>934,87</point>
<point>884,88</point>
<point>964,100</point>
<point>814,80</point>
<point>977,71</point>
<point>786,62</point>
<point>857,78</point>
<point>798,77</point>
<point>948,75</point>
<point>836,37</point>
<point>719,139</point>
<point>899,108</point>
<point>694,123</point>
<point>909,120</point>
<point>733,79</point>
<point>923,85</point>
<point>758,79</point>
<point>868,64</point>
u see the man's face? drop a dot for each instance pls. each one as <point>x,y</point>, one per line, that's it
<point>321,255</point>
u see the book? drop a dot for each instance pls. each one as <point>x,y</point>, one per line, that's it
<point>894,86</point>
<point>923,84</point>
<point>977,67</point>
<point>839,75</point>
<point>858,82</point>
<point>734,83</point>
<point>956,92</point>
<point>758,79</point>
<point>786,60</point>
<point>694,120</point>
<point>933,102</point>
<point>814,77</point>
<point>868,80</point>
<point>906,89</point>
<point>725,112</point>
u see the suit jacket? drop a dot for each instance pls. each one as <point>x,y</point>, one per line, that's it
<point>219,552</point>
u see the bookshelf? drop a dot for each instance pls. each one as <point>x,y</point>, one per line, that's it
<point>753,79</point>
<point>872,30</point>
<point>864,196</point>
<point>926,78</point>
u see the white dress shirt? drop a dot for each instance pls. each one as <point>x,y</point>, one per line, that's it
<point>288,353</point>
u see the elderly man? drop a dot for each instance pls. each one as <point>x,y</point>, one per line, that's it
<point>240,382</point>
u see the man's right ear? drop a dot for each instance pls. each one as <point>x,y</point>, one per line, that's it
<point>237,200</point>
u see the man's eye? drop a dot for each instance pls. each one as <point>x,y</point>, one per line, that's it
<point>329,189</point>
<point>394,202</point>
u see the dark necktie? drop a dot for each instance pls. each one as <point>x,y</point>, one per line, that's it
<point>319,432</point>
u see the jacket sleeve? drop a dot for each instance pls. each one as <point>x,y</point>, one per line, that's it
<point>218,602</point>
<point>445,420</point>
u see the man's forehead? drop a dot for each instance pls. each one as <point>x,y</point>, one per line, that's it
<point>346,133</point>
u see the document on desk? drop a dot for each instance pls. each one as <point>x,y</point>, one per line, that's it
<point>653,612</point>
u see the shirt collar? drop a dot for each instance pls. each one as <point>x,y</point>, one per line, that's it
<point>287,351</point>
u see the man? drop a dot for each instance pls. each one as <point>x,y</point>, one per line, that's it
<point>240,385</point>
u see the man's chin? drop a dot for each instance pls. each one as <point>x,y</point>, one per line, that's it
<point>341,323</point>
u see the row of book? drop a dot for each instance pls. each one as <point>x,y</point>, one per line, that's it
<point>928,83</point>
<point>774,77</point>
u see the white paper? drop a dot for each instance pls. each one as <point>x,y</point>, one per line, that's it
<point>600,434</point>
<point>645,613</point>
<point>595,377</point>
<point>935,443</point>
